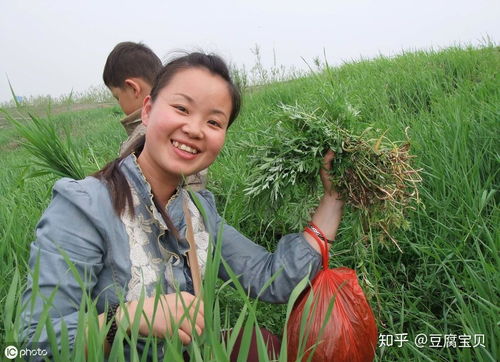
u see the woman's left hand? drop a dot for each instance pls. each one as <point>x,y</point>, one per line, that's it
<point>324,173</point>
<point>329,212</point>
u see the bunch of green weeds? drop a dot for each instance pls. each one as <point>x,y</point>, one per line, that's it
<point>53,154</point>
<point>372,174</point>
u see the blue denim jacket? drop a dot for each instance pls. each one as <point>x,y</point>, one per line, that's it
<point>122,255</point>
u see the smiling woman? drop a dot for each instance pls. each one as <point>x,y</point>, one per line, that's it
<point>186,126</point>
<point>130,229</point>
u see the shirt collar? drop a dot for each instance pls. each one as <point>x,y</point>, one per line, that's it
<point>134,174</point>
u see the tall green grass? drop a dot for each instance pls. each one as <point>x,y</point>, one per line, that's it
<point>445,281</point>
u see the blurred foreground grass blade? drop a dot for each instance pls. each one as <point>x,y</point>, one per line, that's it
<point>14,96</point>
<point>294,296</point>
<point>10,305</point>
<point>52,154</point>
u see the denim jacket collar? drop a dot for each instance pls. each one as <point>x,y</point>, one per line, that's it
<point>134,175</point>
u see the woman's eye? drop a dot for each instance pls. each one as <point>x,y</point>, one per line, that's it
<point>181,108</point>
<point>215,123</point>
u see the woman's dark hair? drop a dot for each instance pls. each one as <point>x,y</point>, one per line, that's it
<point>116,182</point>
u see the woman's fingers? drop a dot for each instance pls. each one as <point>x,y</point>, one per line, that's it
<point>199,307</point>
<point>191,315</point>
<point>177,311</point>
<point>188,327</point>
<point>197,313</point>
<point>325,171</point>
<point>327,160</point>
<point>184,337</point>
<point>200,320</point>
<point>195,307</point>
<point>190,322</point>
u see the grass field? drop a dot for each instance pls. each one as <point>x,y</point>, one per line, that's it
<point>444,282</point>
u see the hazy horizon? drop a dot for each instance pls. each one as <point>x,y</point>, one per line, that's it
<point>55,47</point>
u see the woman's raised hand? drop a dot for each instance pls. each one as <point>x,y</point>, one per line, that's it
<point>329,212</point>
<point>182,310</point>
<point>324,174</point>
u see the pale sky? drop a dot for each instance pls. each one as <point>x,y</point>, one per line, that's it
<point>54,46</point>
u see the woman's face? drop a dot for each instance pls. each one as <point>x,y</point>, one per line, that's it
<point>187,123</point>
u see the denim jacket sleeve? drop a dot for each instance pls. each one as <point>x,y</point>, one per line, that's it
<point>254,265</point>
<point>66,232</point>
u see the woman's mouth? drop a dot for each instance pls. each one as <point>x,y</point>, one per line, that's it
<point>184,147</point>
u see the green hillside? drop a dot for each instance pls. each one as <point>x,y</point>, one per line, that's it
<point>445,279</point>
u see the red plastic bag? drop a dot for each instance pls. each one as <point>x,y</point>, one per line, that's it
<point>350,333</point>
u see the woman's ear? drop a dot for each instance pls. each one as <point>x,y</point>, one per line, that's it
<point>146,110</point>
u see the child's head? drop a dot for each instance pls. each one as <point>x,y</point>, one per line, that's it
<point>191,105</point>
<point>129,73</point>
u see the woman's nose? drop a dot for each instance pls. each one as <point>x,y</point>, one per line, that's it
<point>193,128</point>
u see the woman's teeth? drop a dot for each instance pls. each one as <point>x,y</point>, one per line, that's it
<point>184,147</point>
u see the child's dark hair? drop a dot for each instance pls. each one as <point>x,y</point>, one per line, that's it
<point>116,182</point>
<point>130,60</point>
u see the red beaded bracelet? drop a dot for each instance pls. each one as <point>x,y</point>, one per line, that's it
<point>319,233</point>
